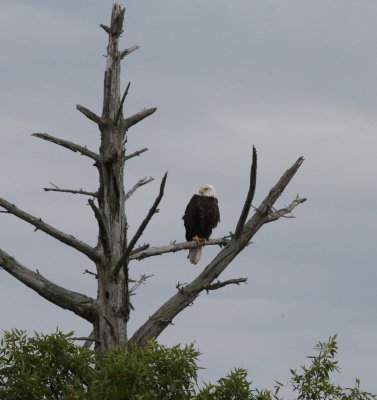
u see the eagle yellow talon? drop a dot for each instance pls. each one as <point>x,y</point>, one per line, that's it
<point>197,239</point>
<point>200,240</point>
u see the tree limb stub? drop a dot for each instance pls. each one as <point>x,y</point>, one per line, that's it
<point>128,51</point>
<point>89,114</point>
<point>64,298</point>
<point>124,258</point>
<point>68,145</point>
<point>50,230</point>
<point>134,119</point>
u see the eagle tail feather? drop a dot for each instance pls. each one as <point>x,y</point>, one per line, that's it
<point>194,255</point>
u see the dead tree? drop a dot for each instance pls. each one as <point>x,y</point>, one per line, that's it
<point>109,313</point>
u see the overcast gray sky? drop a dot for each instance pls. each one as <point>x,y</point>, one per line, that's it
<point>294,78</point>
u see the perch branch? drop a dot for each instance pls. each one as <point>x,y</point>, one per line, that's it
<point>126,52</point>
<point>135,154</point>
<point>140,183</point>
<point>249,197</point>
<point>68,145</point>
<point>140,248</point>
<point>64,298</point>
<point>50,230</point>
<point>219,284</point>
<point>134,119</point>
<point>89,114</point>
<point>164,315</point>
<point>174,247</point>
<point>123,259</point>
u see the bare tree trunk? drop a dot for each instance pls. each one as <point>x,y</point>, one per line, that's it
<point>110,311</point>
<point>112,301</point>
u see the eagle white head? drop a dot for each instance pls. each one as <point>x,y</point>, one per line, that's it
<point>207,190</point>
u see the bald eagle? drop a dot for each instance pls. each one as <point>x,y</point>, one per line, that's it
<point>201,216</point>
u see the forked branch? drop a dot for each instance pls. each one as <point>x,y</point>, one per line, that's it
<point>187,294</point>
<point>140,183</point>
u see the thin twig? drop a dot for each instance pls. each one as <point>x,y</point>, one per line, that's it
<point>68,145</point>
<point>124,258</point>
<point>79,191</point>
<point>141,182</point>
<point>86,271</point>
<point>283,211</point>
<point>141,281</point>
<point>135,154</point>
<point>219,284</point>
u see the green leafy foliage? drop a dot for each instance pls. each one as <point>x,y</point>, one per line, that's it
<point>52,367</point>
<point>41,367</point>
<point>314,381</point>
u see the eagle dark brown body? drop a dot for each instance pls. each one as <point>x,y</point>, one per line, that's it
<point>201,216</point>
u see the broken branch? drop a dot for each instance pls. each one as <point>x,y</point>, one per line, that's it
<point>89,114</point>
<point>80,191</point>
<point>249,197</point>
<point>64,298</point>
<point>124,258</point>
<point>219,284</point>
<point>50,230</point>
<point>126,52</point>
<point>67,144</point>
<point>134,119</point>
<point>135,154</point>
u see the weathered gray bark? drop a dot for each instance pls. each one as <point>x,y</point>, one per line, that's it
<point>110,311</point>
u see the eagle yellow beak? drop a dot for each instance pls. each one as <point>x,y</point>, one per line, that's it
<point>202,190</point>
